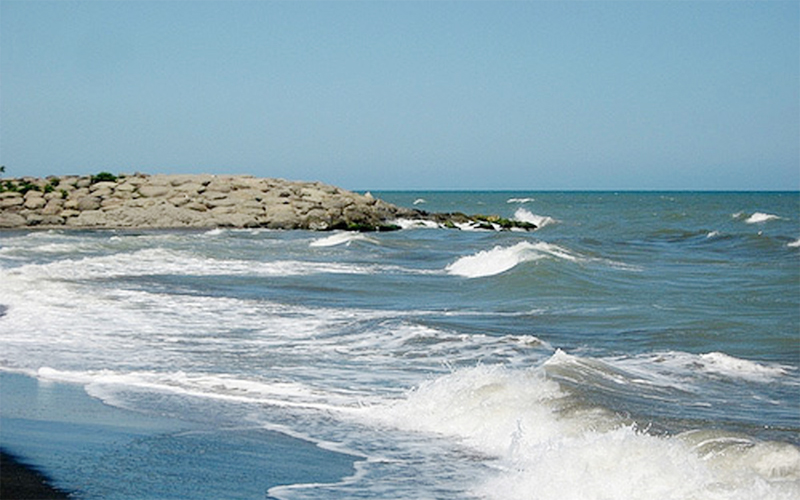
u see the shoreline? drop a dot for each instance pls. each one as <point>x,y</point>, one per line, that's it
<point>204,201</point>
<point>21,481</point>
<point>87,449</point>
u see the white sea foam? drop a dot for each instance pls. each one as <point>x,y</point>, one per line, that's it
<point>794,244</point>
<point>520,200</point>
<point>679,369</point>
<point>539,220</point>
<point>159,261</point>
<point>415,224</point>
<point>420,201</point>
<point>501,259</point>
<point>756,218</point>
<point>343,238</point>
<point>517,417</point>
<point>729,366</point>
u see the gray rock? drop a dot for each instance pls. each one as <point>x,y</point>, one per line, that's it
<point>16,201</point>
<point>53,207</point>
<point>52,220</point>
<point>105,185</point>
<point>34,202</point>
<point>9,220</point>
<point>153,191</point>
<point>88,203</point>
<point>89,218</point>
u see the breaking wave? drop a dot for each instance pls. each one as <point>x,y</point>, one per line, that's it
<point>756,218</point>
<point>343,238</point>
<point>540,221</point>
<point>544,443</point>
<point>501,259</point>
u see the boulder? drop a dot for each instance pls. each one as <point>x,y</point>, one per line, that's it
<point>153,191</point>
<point>10,220</point>
<point>15,201</point>
<point>105,185</point>
<point>54,206</point>
<point>34,202</point>
<point>88,203</point>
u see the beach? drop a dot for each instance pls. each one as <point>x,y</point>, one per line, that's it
<point>86,449</point>
<point>20,481</point>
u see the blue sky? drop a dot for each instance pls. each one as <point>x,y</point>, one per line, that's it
<point>408,95</point>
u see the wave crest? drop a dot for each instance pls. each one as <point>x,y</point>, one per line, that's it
<point>344,238</point>
<point>500,259</point>
<point>756,218</point>
<point>540,221</point>
<point>544,443</point>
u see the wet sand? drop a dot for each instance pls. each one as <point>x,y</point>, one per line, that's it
<point>95,451</point>
<point>19,481</point>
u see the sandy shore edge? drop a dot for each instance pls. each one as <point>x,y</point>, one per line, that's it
<point>83,447</point>
<point>20,481</point>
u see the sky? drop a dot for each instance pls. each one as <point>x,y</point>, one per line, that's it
<point>526,95</point>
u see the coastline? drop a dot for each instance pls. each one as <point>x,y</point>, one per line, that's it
<point>142,201</point>
<point>61,437</point>
<point>20,481</point>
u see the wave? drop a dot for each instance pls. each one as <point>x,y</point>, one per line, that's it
<point>669,369</point>
<point>756,218</point>
<point>529,429</point>
<point>501,259</point>
<point>718,364</point>
<point>759,217</point>
<point>730,366</point>
<point>539,220</point>
<point>794,244</point>
<point>344,238</point>
<point>520,200</point>
<point>415,224</point>
<point>159,261</point>
<point>111,387</point>
<point>542,441</point>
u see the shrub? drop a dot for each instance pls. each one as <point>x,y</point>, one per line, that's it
<point>27,186</point>
<point>103,177</point>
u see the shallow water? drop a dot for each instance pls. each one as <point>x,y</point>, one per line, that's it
<point>637,345</point>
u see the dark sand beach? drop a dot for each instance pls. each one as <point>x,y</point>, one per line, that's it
<point>18,481</point>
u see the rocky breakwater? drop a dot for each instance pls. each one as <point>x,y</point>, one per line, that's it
<point>205,201</point>
<point>201,201</point>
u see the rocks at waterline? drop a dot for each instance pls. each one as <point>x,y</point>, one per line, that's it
<point>207,201</point>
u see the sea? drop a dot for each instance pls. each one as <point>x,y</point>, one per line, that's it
<point>637,345</point>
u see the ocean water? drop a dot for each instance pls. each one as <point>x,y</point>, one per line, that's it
<point>637,345</point>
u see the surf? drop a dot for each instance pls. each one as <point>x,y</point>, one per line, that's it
<point>546,443</point>
<point>501,259</point>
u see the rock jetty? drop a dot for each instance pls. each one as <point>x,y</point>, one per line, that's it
<point>208,201</point>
